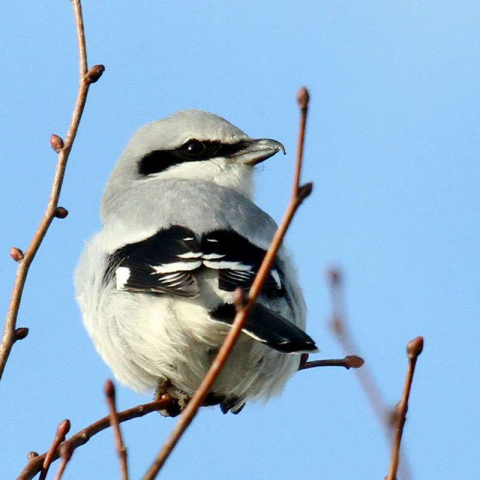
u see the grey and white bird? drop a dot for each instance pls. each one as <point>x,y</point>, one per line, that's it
<point>180,234</point>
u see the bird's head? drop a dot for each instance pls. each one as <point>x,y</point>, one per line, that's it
<point>193,145</point>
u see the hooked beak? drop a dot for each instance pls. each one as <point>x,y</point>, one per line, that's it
<point>257,151</point>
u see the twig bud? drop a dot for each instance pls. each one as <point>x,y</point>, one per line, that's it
<point>16,254</point>
<point>353,361</point>
<point>304,191</point>
<point>61,212</point>
<point>63,428</point>
<point>21,333</point>
<point>31,455</point>
<point>109,389</point>
<point>56,142</point>
<point>415,348</point>
<point>303,97</point>
<point>335,276</point>
<point>94,74</point>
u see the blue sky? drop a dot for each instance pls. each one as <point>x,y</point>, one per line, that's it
<point>392,148</point>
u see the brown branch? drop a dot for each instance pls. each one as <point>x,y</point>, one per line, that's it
<point>66,452</point>
<point>62,430</point>
<point>414,349</point>
<point>244,306</point>
<point>341,330</point>
<point>119,445</point>
<point>303,99</point>
<point>87,77</point>
<point>35,462</point>
<point>350,361</point>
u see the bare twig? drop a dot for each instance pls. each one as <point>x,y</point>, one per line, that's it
<point>303,99</point>
<point>350,361</point>
<point>119,445</point>
<point>87,77</point>
<point>340,328</point>
<point>66,452</point>
<point>62,430</point>
<point>244,306</point>
<point>35,463</point>
<point>414,349</point>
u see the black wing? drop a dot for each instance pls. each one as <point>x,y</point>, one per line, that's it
<point>237,261</point>
<point>166,261</point>
<point>268,327</point>
<point>162,263</point>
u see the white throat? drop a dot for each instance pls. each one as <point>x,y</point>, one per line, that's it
<point>237,177</point>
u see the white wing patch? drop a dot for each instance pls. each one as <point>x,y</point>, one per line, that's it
<point>212,256</point>
<point>176,266</point>
<point>224,265</point>
<point>190,255</point>
<point>122,275</point>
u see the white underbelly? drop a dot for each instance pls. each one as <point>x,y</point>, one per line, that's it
<point>146,338</point>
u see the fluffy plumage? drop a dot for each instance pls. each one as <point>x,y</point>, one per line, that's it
<point>180,233</point>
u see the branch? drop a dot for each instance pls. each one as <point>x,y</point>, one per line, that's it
<point>35,462</point>
<point>350,361</point>
<point>414,349</point>
<point>341,330</point>
<point>119,445</point>
<point>299,193</point>
<point>62,430</point>
<point>66,452</point>
<point>12,334</point>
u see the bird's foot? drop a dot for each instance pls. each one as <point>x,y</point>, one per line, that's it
<point>177,400</point>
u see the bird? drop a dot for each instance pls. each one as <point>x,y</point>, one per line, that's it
<point>180,234</point>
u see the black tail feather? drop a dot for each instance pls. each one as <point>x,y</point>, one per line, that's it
<point>269,328</point>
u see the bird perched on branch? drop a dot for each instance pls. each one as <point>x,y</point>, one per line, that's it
<point>180,234</point>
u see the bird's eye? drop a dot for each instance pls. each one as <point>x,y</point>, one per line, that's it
<point>194,148</point>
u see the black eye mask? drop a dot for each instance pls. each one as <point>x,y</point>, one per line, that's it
<point>191,151</point>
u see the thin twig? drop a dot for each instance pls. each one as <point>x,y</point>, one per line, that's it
<point>340,328</point>
<point>414,349</point>
<point>87,77</point>
<point>350,361</point>
<point>243,308</point>
<point>66,452</point>
<point>62,430</point>
<point>35,463</point>
<point>119,445</point>
<point>303,99</point>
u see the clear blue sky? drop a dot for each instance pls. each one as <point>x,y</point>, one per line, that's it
<point>392,148</point>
